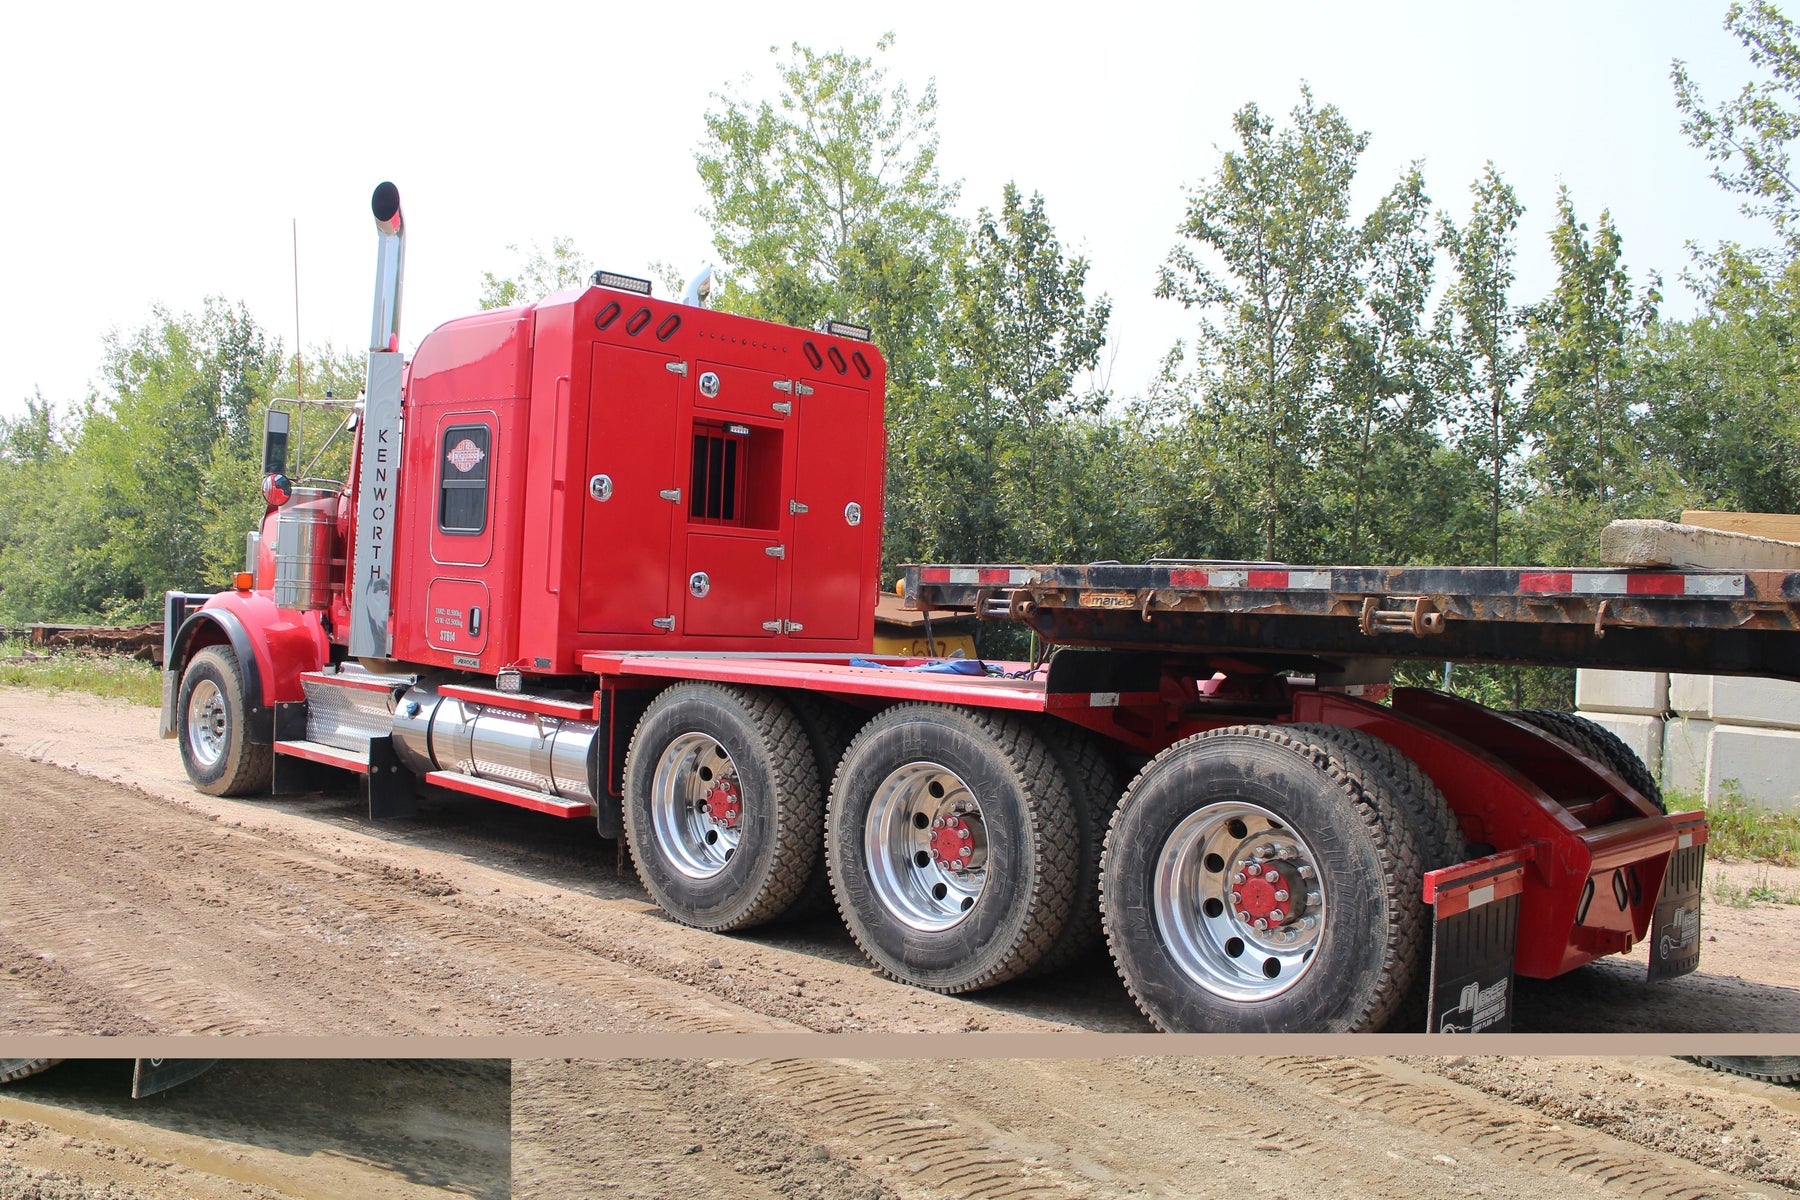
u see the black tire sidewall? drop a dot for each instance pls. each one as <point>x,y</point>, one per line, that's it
<point>964,955</point>
<point>1345,971</point>
<point>720,901</point>
<point>205,666</point>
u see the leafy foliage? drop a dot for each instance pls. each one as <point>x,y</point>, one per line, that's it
<point>541,272</point>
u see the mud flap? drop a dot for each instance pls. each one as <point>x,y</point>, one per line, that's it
<point>1475,930</point>
<point>1675,925</point>
<point>152,1075</point>
<point>391,789</point>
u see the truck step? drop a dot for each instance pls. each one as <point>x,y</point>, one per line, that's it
<point>506,793</point>
<point>331,756</point>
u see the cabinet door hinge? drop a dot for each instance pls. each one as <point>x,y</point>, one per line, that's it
<point>671,494</point>
<point>665,623</point>
<point>679,368</point>
<point>775,551</point>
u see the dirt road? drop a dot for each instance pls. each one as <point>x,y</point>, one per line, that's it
<point>1318,1129</point>
<point>266,1130</point>
<point>131,904</point>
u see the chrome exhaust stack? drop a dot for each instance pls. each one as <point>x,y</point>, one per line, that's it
<point>378,474</point>
<point>390,264</point>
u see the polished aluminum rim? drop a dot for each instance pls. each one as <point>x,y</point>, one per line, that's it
<point>696,805</point>
<point>926,845</point>
<point>208,723</point>
<point>1218,920</point>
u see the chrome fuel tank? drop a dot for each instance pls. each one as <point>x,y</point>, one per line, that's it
<point>433,732</point>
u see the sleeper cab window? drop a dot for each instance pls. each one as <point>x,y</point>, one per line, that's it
<point>463,492</point>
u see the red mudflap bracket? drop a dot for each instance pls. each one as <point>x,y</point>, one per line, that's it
<point>1675,926</point>
<point>1474,937</point>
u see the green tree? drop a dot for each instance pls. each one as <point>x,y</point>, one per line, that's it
<point>540,274</point>
<point>1382,385</point>
<point>825,202</point>
<point>1747,138</point>
<point>1581,341</point>
<point>1479,325</point>
<point>1009,445</point>
<point>1276,214</point>
<point>127,513</point>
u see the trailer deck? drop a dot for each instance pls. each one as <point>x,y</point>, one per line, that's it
<point>1716,622</point>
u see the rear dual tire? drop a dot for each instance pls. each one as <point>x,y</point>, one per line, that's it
<point>722,805</point>
<point>926,786</point>
<point>1325,808</point>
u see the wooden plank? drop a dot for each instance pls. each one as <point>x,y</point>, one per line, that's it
<point>1783,527</point>
<point>1665,544</point>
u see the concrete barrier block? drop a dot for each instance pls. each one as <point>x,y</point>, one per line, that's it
<point>1643,734</point>
<point>1643,692</point>
<point>1762,764</point>
<point>1742,700</point>
<point>1691,695</point>
<point>1686,744</point>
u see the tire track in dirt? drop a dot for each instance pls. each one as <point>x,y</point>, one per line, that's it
<point>187,906</point>
<point>532,910</point>
<point>120,912</point>
<point>1021,1130</point>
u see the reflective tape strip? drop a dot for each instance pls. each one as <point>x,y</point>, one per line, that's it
<point>1614,583</point>
<point>1309,581</point>
<point>1714,585</point>
<point>1598,585</point>
<point>977,576</point>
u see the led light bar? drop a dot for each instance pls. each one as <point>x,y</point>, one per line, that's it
<point>845,329</point>
<point>623,283</point>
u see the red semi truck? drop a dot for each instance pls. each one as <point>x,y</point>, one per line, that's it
<point>615,559</point>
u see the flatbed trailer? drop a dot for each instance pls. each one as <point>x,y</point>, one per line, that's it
<point>614,559</point>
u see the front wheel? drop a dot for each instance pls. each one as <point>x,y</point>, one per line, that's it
<point>212,726</point>
<point>1262,879</point>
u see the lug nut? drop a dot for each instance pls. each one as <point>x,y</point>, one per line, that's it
<point>1238,878</point>
<point>1256,868</point>
<point>1276,915</point>
<point>1261,924</point>
<point>1273,876</point>
<point>968,852</point>
<point>1281,894</point>
<point>1237,897</point>
<point>1306,871</point>
<point>1244,917</point>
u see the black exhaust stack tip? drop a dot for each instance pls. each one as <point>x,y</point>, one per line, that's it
<point>386,205</point>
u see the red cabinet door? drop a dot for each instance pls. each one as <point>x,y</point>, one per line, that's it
<point>628,524</point>
<point>729,590</point>
<point>831,577</point>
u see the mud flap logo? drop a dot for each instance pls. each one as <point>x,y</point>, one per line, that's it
<point>1683,931</point>
<point>1482,1008</point>
<point>1675,925</point>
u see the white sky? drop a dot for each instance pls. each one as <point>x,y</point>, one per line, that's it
<point>158,153</point>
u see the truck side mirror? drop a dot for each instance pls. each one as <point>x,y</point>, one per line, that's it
<point>275,442</point>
